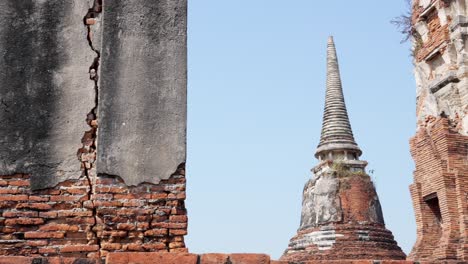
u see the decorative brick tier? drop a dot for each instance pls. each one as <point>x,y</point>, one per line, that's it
<point>345,242</point>
<point>80,219</point>
<point>440,192</point>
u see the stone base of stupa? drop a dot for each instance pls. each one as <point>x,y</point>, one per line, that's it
<point>343,242</point>
<point>341,218</point>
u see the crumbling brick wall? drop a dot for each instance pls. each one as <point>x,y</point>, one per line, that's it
<point>439,148</point>
<point>76,220</point>
<point>440,192</point>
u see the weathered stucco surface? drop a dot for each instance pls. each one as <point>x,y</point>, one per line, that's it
<point>142,92</point>
<point>321,203</point>
<point>441,61</point>
<point>45,91</point>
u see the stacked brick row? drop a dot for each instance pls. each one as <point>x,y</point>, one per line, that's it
<point>441,170</point>
<point>345,242</point>
<point>77,219</point>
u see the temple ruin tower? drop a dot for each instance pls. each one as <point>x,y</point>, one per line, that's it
<point>341,213</point>
<point>440,146</point>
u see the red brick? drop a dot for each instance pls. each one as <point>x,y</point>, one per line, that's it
<point>157,232</point>
<point>15,198</point>
<point>44,234</point>
<point>142,226</point>
<point>18,182</point>
<point>79,248</point>
<point>37,198</point>
<point>107,203</point>
<point>75,212</point>
<point>134,203</point>
<point>177,232</point>
<point>178,250</point>
<point>10,191</point>
<point>111,246</point>
<point>125,196</point>
<point>155,246</point>
<point>24,221</point>
<point>48,250</point>
<point>81,190</point>
<point>176,245</point>
<point>37,243</point>
<point>158,196</point>
<point>48,214</point>
<point>150,258</point>
<point>127,227</point>
<point>67,198</point>
<point>15,260</point>
<point>133,247</point>
<point>9,214</point>
<point>178,218</point>
<point>115,233</point>
<point>110,189</point>
<point>59,227</point>
<point>181,196</point>
<point>213,258</point>
<point>36,206</point>
<point>80,220</point>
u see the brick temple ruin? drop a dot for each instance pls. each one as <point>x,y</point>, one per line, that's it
<point>440,146</point>
<point>93,143</point>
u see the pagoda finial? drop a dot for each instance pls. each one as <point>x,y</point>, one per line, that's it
<point>337,135</point>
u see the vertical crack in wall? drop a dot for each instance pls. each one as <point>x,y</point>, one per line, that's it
<point>87,154</point>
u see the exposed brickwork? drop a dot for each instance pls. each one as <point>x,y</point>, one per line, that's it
<point>67,221</point>
<point>440,154</point>
<point>143,218</point>
<point>438,35</point>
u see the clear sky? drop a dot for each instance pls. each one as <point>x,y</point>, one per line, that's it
<point>256,94</point>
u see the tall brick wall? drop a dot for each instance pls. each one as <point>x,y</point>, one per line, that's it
<point>440,146</point>
<point>82,220</point>
<point>440,154</point>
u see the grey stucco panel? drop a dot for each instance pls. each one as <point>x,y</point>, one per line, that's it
<point>143,90</point>
<point>321,203</point>
<point>45,91</point>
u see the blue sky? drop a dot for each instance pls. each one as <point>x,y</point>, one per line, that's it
<point>256,94</point>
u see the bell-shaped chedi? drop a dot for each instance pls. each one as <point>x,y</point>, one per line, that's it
<point>341,213</point>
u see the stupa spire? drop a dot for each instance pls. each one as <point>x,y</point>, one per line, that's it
<point>337,134</point>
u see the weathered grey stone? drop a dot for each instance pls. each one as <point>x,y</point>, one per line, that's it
<point>321,203</point>
<point>142,93</point>
<point>45,91</point>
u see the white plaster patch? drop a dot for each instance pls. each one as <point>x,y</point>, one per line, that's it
<point>324,240</point>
